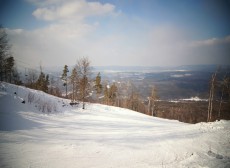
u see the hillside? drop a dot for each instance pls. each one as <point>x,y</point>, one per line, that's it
<point>47,132</point>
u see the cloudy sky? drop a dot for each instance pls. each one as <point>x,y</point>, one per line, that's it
<point>118,32</point>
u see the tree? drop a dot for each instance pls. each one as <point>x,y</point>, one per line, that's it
<point>73,80</point>
<point>152,106</point>
<point>46,84</point>
<point>110,94</point>
<point>31,79</point>
<point>133,100</point>
<point>42,82</point>
<point>113,93</point>
<point>98,85</point>
<point>5,61</point>
<point>64,77</point>
<point>83,71</point>
<point>8,67</point>
<point>106,94</point>
<point>16,77</point>
<point>227,86</point>
<point>211,95</point>
<point>53,87</point>
<point>225,89</point>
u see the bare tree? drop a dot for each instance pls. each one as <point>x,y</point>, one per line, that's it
<point>31,78</point>
<point>211,96</point>
<point>133,99</point>
<point>16,77</point>
<point>225,87</point>
<point>152,106</point>
<point>118,96</point>
<point>83,71</point>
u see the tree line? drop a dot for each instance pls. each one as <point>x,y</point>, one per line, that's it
<point>128,97</point>
<point>83,87</point>
<point>8,71</point>
<point>219,90</point>
<point>79,79</point>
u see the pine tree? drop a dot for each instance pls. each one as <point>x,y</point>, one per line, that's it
<point>64,77</point>
<point>6,59</point>
<point>98,85</point>
<point>73,80</point>
<point>106,94</point>
<point>113,93</point>
<point>8,66</point>
<point>31,79</point>
<point>45,89</point>
<point>16,77</point>
<point>41,82</point>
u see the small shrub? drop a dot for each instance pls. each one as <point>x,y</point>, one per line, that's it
<point>31,97</point>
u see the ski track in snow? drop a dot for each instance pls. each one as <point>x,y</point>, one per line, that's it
<point>101,136</point>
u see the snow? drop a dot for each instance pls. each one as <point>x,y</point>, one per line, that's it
<point>180,75</point>
<point>101,136</point>
<point>196,98</point>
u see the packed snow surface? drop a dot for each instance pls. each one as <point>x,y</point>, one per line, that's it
<point>46,132</point>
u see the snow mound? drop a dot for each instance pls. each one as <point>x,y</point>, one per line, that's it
<point>101,136</point>
<point>39,100</point>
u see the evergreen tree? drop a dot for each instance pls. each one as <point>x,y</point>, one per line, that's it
<point>64,77</point>
<point>16,77</point>
<point>8,66</point>
<point>6,60</point>
<point>73,80</point>
<point>46,84</point>
<point>113,92</point>
<point>31,79</point>
<point>106,94</point>
<point>42,82</point>
<point>98,85</point>
<point>110,94</point>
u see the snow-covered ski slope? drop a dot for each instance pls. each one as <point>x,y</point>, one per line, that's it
<point>101,136</point>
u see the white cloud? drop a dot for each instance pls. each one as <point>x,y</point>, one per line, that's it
<point>124,42</point>
<point>59,44</point>
<point>73,10</point>
<point>63,40</point>
<point>211,42</point>
<point>56,44</point>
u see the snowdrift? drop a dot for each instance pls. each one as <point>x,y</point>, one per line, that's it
<point>46,131</point>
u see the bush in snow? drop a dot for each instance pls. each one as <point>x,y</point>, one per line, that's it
<point>41,103</point>
<point>31,97</point>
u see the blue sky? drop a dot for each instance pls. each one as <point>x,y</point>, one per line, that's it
<point>118,32</point>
